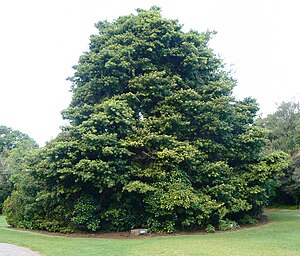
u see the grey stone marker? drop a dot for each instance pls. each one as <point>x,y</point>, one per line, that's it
<point>139,232</point>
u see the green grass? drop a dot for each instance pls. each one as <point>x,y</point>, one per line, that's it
<point>285,206</point>
<point>281,236</point>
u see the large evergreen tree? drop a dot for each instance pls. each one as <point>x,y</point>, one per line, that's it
<point>155,138</point>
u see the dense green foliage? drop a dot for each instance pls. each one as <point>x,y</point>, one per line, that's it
<point>279,237</point>
<point>284,127</point>
<point>155,139</point>
<point>14,147</point>
<point>290,182</point>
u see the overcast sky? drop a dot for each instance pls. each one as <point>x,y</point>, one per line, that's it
<point>42,40</point>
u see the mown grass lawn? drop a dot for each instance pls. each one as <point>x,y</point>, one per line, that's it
<point>281,236</point>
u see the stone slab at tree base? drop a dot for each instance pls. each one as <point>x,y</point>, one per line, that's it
<point>139,232</point>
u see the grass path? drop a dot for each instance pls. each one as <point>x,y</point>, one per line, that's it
<point>280,237</point>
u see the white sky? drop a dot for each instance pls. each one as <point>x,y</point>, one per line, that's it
<point>41,40</point>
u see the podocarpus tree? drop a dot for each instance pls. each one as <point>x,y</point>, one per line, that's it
<point>155,139</point>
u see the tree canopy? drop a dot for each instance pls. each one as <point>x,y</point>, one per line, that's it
<point>155,140</point>
<point>284,134</point>
<point>284,127</point>
<point>14,146</point>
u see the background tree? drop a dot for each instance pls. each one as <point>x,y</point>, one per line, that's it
<point>156,139</point>
<point>14,146</point>
<point>284,127</point>
<point>289,192</point>
<point>284,134</point>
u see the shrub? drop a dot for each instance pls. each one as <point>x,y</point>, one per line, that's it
<point>247,219</point>
<point>85,213</point>
<point>210,229</point>
<point>228,225</point>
